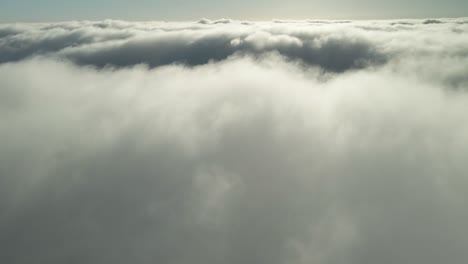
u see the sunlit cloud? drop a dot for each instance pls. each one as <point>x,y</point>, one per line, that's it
<point>234,142</point>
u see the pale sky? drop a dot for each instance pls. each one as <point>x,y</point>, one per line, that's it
<point>59,10</point>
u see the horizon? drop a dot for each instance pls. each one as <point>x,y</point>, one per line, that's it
<point>144,10</point>
<point>237,20</point>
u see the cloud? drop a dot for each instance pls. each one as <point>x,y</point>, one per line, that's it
<point>234,143</point>
<point>332,46</point>
<point>432,21</point>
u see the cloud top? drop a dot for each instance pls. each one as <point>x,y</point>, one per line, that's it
<point>331,45</point>
<point>283,142</point>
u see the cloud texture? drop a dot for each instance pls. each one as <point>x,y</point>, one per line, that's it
<point>280,142</point>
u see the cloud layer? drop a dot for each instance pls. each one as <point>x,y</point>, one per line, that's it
<point>335,46</point>
<point>225,141</point>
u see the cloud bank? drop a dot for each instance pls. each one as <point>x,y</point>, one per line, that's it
<point>226,141</point>
<point>335,46</point>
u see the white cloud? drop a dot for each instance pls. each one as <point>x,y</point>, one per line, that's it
<point>291,142</point>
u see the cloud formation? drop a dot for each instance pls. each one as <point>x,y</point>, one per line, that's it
<point>234,142</point>
<point>332,45</point>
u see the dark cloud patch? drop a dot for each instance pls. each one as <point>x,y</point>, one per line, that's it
<point>8,31</point>
<point>156,52</point>
<point>204,21</point>
<point>46,41</point>
<point>432,21</point>
<point>332,54</point>
<point>402,23</point>
<point>310,21</point>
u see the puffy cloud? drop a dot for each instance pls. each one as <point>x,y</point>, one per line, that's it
<point>335,46</point>
<point>234,142</point>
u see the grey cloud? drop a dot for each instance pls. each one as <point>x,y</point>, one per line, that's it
<point>205,21</point>
<point>218,21</point>
<point>102,47</point>
<point>335,53</point>
<point>9,30</point>
<point>47,40</point>
<point>334,46</point>
<point>432,21</point>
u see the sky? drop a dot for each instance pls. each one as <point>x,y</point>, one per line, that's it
<point>54,10</point>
